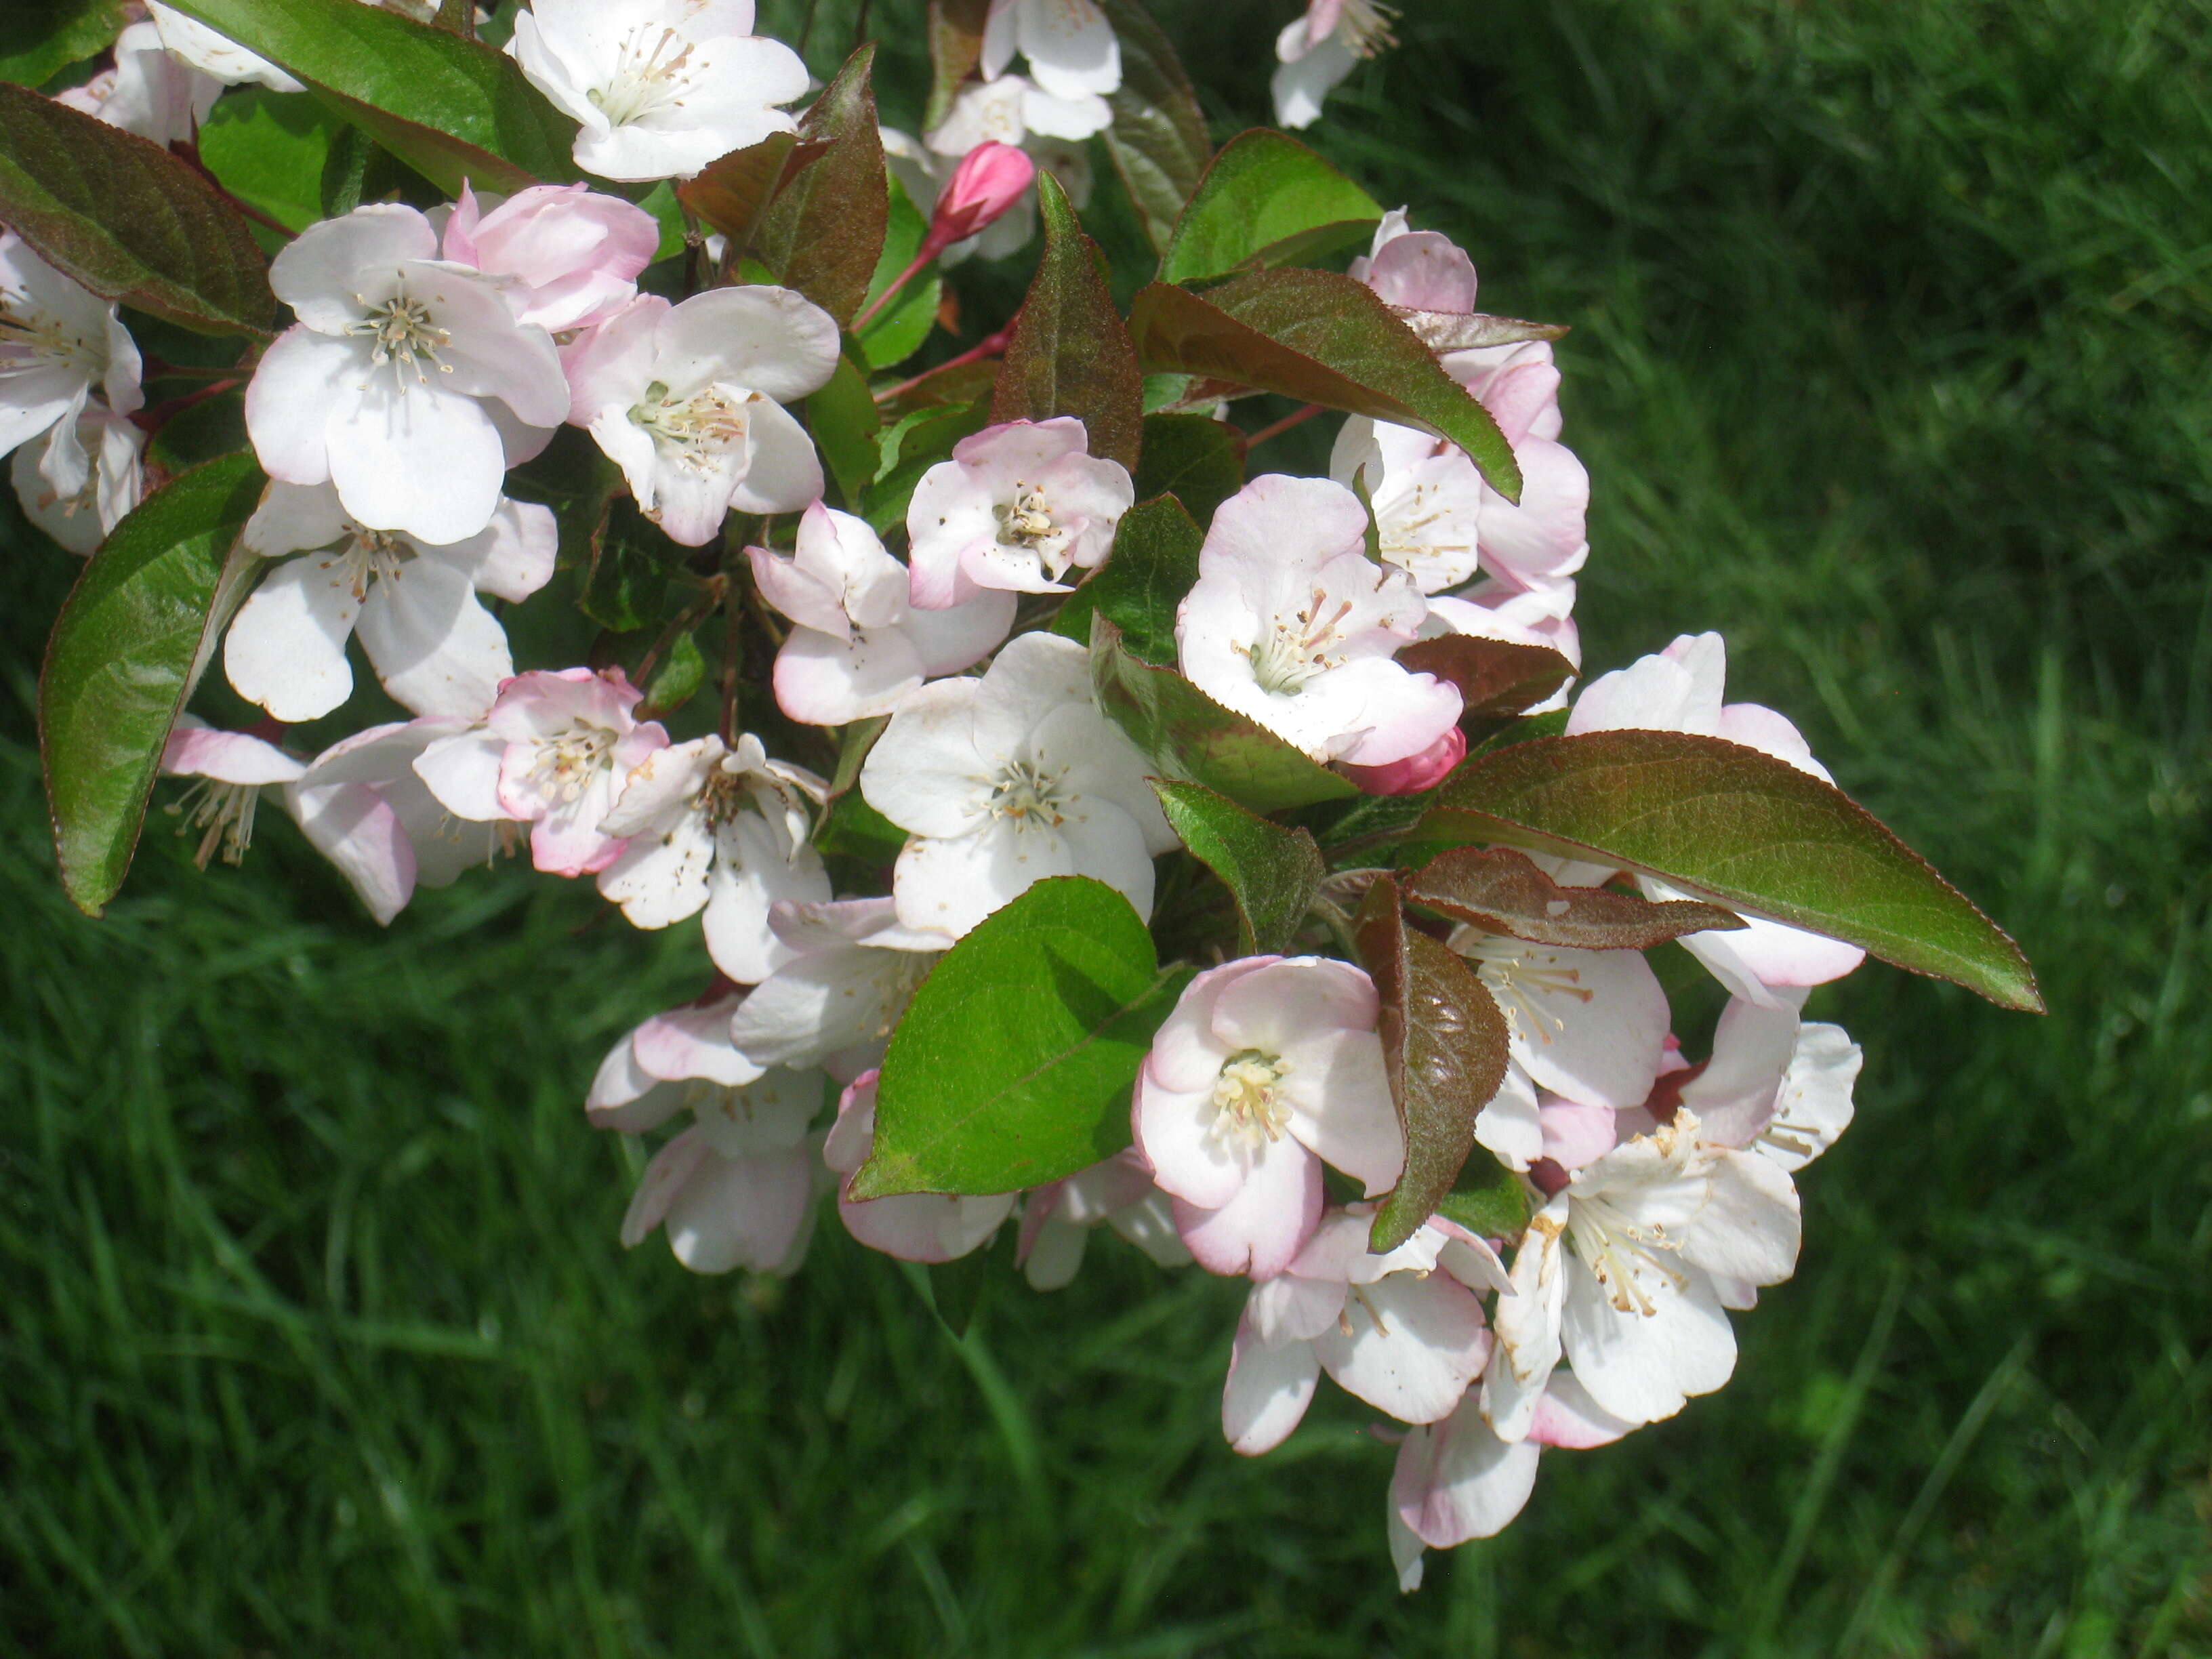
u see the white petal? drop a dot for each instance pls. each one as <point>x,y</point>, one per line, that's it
<point>1414,1345</point>
<point>434,647</point>
<point>1639,1366</point>
<point>286,650</point>
<point>1267,1392</point>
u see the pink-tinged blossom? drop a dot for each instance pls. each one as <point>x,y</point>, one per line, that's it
<point>78,491</point>
<point>407,382</point>
<point>1680,689</point>
<point>1622,1274</point>
<point>57,341</point>
<point>1290,623</point>
<point>1316,51</point>
<point>1011,110</point>
<point>1587,1024</point>
<point>1415,772</point>
<point>1070,46</point>
<point>574,253</point>
<point>660,87</point>
<point>414,604</point>
<point>1016,508</point>
<point>1776,1085</point>
<point>1005,779</point>
<point>913,1226</point>
<point>149,90</point>
<point>1491,609</point>
<point>1268,1067</point>
<point>365,806</point>
<point>860,647</point>
<point>555,751</point>
<point>849,969</point>
<point>1058,1218</point>
<point>737,1188</point>
<point>232,768</point>
<point>1389,1329</point>
<point>985,185</point>
<point>669,1061</point>
<point>688,400</point>
<point>1427,498</point>
<point>1456,1481</point>
<point>719,828</point>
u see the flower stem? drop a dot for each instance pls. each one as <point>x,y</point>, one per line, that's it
<point>151,421</point>
<point>989,346</point>
<point>1296,418</point>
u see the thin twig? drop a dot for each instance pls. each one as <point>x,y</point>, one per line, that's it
<point>1296,418</point>
<point>989,346</point>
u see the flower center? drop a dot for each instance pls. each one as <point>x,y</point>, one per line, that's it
<point>224,813</point>
<point>566,765</point>
<point>1027,522</point>
<point>1363,26</point>
<point>367,557</point>
<point>654,71</point>
<point>1248,1103</point>
<point>403,335</point>
<point>1298,647</point>
<point>1400,537</point>
<point>1622,1252</point>
<point>1028,796</point>
<point>30,339</point>
<point>697,429</point>
<point>1522,986</point>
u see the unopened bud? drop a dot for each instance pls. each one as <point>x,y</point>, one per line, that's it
<point>1415,772</point>
<point>989,179</point>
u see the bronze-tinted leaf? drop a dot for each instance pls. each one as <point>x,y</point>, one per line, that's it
<point>822,231</point>
<point>728,194</point>
<point>1503,891</point>
<point>1158,141</point>
<point>1496,679</point>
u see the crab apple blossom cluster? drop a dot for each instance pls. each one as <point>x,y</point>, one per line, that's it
<point>887,678</point>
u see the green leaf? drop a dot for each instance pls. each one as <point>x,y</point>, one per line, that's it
<point>1158,141</point>
<point>1153,562</point>
<point>1071,354</point>
<point>1265,201</point>
<point>43,41</point>
<point>1272,873</point>
<point>270,150</point>
<point>667,210</point>
<point>1322,339</point>
<point>1496,679</point>
<point>676,678</point>
<point>1193,739</point>
<point>1739,828</point>
<point>450,108</point>
<point>1504,892</point>
<point>927,442</point>
<point>1013,1063</point>
<point>127,219</point>
<point>897,332</point>
<point>131,639</point>
<point>1487,1199</point>
<point>728,194</point>
<point>841,417</point>
<point>955,47</point>
<point>1445,1047</point>
<point>822,232</point>
<point>854,830</point>
<point>627,578</point>
<point>1194,458</point>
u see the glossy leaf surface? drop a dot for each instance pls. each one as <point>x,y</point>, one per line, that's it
<point>1502,891</point>
<point>1272,873</point>
<point>822,232</point>
<point>1265,201</point>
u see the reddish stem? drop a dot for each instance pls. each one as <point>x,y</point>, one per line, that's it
<point>989,346</point>
<point>151,421</point>
<point>1296,418</point>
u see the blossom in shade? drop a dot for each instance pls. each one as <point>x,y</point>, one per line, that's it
<point>214,54</point>
<point>1776,1085</point>
<point>1268,1068</point>
<point>554,752</point>
<point>1058,1219</point>
<point>1013,110</point>
<point>574,253</point>
<point>434,646</point>
<point>707,826</point>
<point>231,768</point>
<point>1007,778</point>
<point>1680,689</point>
<point>1623,1271</point>
<point>78,491</point>
<point>737,1187</point>
<point>914,1226</point>
<point>1290,623</point>
<point>669,1061</point>
<point>57,341</point>
<point>688,400</point>
<point>1070,46</point>
<point>364,805</point>
<point>1542,615</point>
<point>860,647</point>
<point>1587,1024</point>
<point>1415,772</point>
<point>407,382</point>
<point>1427,497</point>
<point>1390,1330</point>
<point>985,183</point>
<point>147,89</point>
<point>1016,505</point>
<point>849,970</point>
<point>1316,51</point>
<point>660,87</point>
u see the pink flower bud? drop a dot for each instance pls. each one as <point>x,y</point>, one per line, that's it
<point>1416,772</point>
<point>989,179</point>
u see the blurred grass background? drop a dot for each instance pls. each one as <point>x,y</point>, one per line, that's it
<point>1890,361</point>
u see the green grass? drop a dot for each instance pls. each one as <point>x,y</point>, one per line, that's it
<point>1890,355</point>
